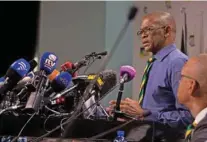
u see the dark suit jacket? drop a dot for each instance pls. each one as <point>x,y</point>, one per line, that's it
<point>200,132</point>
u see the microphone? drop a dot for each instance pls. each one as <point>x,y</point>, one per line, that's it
<point>83,62</point>
<point>109,79</point>
<point>106,81</point>
<point>127,73</point>
<point>61,82</point>
<point>14,74</point>
<point>33,64</point>
<point>70,68</point>
<point>132,13</point>
<point>48,63</point>
<point>28,78</point>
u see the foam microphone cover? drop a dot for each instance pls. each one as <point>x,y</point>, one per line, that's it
<point>109,78</point>
<point>66,66</point>
<point>21,67</point>
<point>48,62</point>
<point>129,70</point>
<point>14,74</point>
<point>69,67</point>
<point>132,13</point>
<point>61,81</point>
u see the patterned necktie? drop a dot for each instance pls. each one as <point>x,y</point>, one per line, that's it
<point>145,79</point>
<point>189,130</point>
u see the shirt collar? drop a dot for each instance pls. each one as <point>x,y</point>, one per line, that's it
<point>164,52</point>
<point>200,115</point>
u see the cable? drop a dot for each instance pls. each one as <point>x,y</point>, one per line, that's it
<point>56,112</point>
<point>15,138</point>
<point>61,126</point>
<point>66,122</point>
<point>46,121</point>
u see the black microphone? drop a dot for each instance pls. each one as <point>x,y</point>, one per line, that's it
<point>132,13</point>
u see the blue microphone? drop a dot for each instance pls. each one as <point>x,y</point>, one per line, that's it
<point>48,62</point>
<point>61,82</point>
<point>14,74</point>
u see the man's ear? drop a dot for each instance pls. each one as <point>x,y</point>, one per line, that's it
<point>167,31</point>
<point>195,88</point>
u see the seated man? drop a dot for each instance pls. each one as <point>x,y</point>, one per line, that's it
<point>192,92</point>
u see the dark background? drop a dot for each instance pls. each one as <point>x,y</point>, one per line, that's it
<point>18,31</point>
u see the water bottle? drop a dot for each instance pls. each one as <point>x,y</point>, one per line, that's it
<point>120,137</point>
<point>22,139</point>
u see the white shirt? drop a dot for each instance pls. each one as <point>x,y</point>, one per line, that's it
<point>200,115</point>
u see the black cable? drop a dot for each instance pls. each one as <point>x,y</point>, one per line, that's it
<point>16,138</point>
<point>69,120</point>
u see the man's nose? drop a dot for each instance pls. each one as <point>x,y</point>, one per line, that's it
<point>144,35</point>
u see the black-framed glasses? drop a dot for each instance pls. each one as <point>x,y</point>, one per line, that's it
<point>147,30</point>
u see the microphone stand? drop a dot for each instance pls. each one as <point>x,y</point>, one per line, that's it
<point>98,110</point>
<point>117,112</point>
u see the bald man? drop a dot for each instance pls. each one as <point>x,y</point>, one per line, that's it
<point>192,92</point>
<point>158,91</point>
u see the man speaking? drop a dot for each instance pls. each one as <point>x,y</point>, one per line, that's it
<point>158,90</point>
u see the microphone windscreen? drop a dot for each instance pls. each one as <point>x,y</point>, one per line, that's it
<point>48,62</point>
<point>21,67</point>
<point>109,78</point>
<point>66,66</point>
<point>132,13</point>
<point>129,70</point>
<point>61,82</point>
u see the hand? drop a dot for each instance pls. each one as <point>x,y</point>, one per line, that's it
<point>129,106</point>
<point>109,110</point>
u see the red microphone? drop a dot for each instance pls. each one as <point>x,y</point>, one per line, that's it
<point>69,67</point>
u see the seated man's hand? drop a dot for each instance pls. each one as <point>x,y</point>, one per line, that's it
<point>128,106</point>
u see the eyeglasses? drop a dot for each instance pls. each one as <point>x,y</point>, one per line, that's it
<point>147,30</point>
<point>190,78</point>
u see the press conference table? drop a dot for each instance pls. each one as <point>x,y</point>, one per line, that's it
<point>139,131</point>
